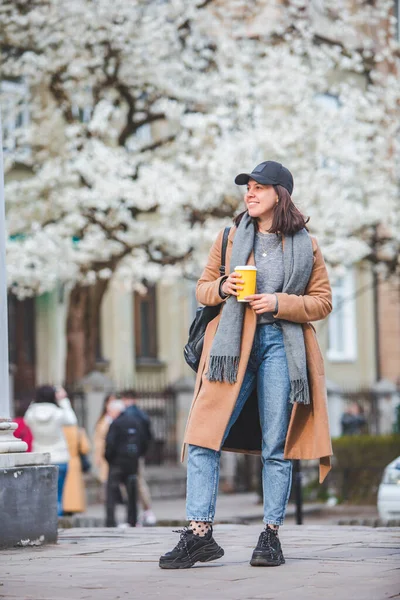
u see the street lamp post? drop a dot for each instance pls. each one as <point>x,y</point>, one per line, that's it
<point>8,443</point>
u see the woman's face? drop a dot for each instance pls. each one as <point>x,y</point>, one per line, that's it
<point>115,408</point>
<point>260,199</point>
<point>109,401</point>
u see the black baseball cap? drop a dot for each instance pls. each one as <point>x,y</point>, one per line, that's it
<point>268,172</point>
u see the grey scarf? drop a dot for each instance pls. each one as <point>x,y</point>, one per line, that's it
<point>225,350</point>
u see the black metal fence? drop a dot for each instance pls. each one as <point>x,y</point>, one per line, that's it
<point>160,405</point>
<point>161,408</point>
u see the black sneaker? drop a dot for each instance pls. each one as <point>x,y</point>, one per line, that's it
<point>268,552</point>
<point>190,549</point>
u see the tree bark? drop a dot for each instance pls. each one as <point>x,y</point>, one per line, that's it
<point>83,323</point>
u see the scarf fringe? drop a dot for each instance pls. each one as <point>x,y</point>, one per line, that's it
<point>223,369</point>
<point>299,392</point>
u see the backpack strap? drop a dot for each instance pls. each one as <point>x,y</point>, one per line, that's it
<point>223,250</point>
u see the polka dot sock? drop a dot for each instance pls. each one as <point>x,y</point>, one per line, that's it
<point>275,531</point>
<point>200,528</point>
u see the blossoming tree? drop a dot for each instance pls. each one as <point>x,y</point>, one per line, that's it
<point>143,112</point>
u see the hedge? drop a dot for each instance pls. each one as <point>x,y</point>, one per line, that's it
<point>358,465</point>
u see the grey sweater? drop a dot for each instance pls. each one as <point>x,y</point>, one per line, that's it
<point>270,271</point>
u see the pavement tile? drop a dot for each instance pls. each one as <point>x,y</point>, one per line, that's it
<point>329,562</point>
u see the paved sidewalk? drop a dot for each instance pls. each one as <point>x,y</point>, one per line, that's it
<point>329,562</point>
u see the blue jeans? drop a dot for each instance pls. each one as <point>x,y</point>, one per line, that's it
<point>62,473</point>
<point>267,369</point>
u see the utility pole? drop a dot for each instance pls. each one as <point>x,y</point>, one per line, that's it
<point>8,443</point>
<point>26,478</point>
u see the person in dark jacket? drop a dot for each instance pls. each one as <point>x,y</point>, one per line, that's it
<point>353,421</point>
<point>127,440</point>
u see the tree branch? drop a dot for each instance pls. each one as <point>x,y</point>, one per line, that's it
<point>158,144</point>
<point>204,3</point>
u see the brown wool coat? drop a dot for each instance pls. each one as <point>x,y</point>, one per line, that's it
<point>213,402</point>
<point>74,499</point>
<point>100,434</point>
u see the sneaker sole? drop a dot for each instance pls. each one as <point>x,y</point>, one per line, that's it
<point>260,561</point>
<point>218,553</point>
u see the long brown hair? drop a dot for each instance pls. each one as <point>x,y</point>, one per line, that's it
<point>104,408</point>
<point>286,219</point>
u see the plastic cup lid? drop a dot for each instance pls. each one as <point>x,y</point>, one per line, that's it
<point>246,268</point>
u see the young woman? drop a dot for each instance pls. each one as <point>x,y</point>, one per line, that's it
<point>46,416</point>
<point>110,411</point>
<point>260,385</point>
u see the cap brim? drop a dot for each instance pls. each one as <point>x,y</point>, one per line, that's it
<point>243,179</point>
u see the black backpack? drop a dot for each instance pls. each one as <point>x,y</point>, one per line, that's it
<point>126,442</point>
<point>204,314</point>
<point>130,447</point>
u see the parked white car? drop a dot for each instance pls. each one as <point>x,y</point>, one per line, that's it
<point>389,492</point>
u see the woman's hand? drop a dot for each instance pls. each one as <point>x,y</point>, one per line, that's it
<point>262,303</point>
<point>60,393</point>
<point>233,284</point>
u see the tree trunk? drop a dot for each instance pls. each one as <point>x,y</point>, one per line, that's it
<point>83,323</point>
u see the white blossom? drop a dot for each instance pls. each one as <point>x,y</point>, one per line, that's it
<point>142,113</point>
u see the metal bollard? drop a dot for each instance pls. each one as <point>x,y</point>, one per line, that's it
<point>298,491</point>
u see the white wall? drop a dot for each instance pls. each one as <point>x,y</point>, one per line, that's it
<point>51,314</point>
<point>117,335</point>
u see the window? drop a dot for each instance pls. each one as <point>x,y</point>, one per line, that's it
<point>146,325</point>
<point>14,101</point>
<point>342,329</point>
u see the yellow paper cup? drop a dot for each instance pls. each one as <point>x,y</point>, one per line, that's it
<point>249,275</point>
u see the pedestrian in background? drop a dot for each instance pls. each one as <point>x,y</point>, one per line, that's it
<point>74,497</point>
<point>260,383</point>
<point>46,416</point>
<point>112,408</point>
<point>147,517</point>
<point>127,441</point>
<point>23,431</point>
<point>110,411</point>
<point>353,421</point>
